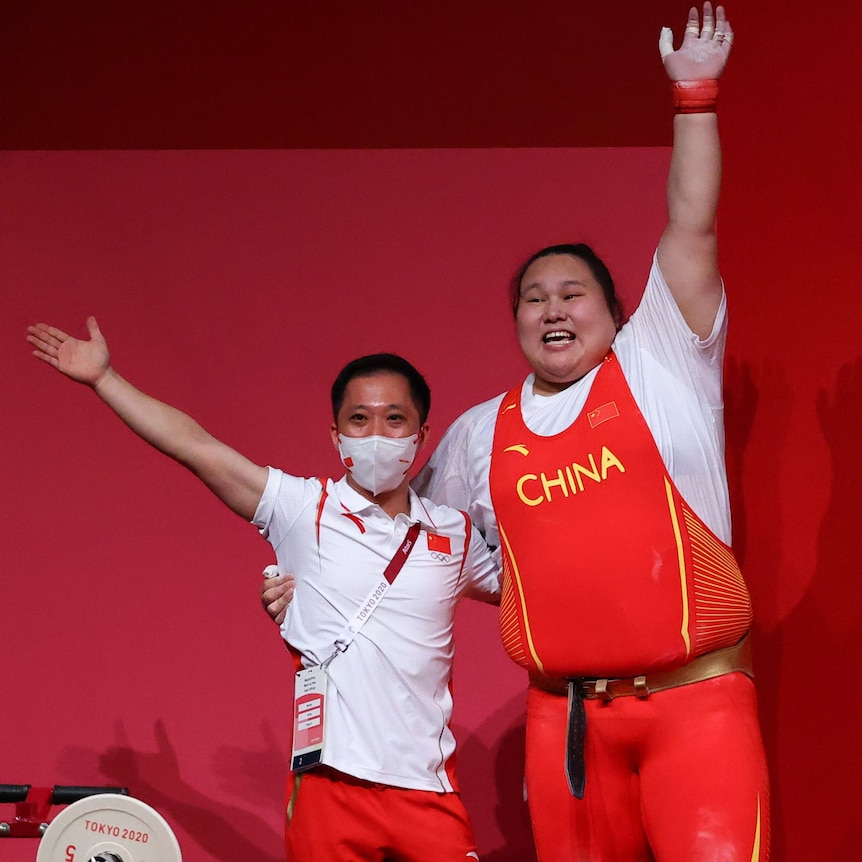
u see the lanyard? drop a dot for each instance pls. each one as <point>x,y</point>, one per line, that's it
<point>379,590</point>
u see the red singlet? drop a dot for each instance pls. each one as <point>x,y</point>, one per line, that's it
<point>606,570</point>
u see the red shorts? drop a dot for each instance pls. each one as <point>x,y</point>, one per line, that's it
<point>338,818</point>
<point>679,776</point>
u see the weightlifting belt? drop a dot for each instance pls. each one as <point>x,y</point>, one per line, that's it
<point>733,659</point>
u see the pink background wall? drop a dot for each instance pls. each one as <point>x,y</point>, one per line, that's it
<point>235,284</point>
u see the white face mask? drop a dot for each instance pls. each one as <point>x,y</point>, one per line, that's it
<point>378,464</point>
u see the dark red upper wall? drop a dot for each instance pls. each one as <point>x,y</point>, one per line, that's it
<point>282,73</point>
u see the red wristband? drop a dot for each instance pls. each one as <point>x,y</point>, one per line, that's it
<point>695,97</point>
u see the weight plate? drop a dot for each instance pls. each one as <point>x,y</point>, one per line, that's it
<point>117,828</point>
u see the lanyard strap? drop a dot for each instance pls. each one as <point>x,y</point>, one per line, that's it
<point>379,590</point>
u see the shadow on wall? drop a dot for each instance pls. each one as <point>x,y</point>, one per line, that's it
<point>491,776</point>
<point>754,454</point>
<point>806,646</point>
<point>826,633</point>
<point>223,831</point>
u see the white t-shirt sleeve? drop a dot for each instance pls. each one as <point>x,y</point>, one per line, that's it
<point>456,474</point>
<point>658,328</point>
<point>442,477</point>
<point>482,571</point>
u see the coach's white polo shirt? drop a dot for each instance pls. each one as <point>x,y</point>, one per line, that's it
<point>388,699</point>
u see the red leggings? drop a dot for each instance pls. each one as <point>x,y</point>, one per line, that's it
<point>338,818</point>
<point>677,777</point>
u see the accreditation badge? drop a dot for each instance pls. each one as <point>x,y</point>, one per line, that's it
<point>308,714</point>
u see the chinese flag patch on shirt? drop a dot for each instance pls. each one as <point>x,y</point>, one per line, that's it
<point>603,413</point>
<point>441,544</point>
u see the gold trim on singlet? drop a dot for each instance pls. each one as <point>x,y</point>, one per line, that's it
<point>680,550</point>
<point>514,577</point>
<point>755,852</point>
<point>720,595</point>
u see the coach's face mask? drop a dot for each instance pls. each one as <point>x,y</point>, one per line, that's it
<point>378,463</point>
